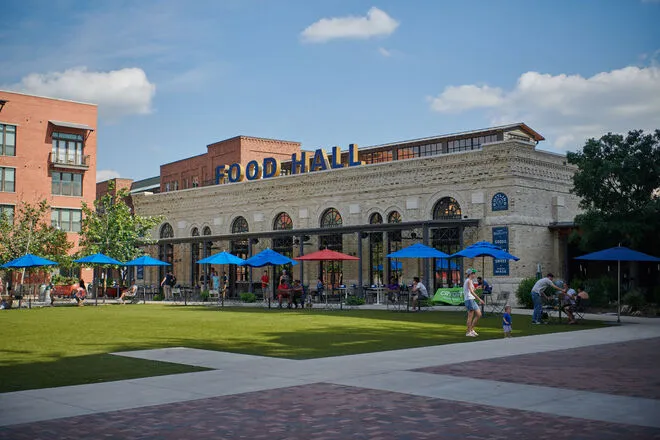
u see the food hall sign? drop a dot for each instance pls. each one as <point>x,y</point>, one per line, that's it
<point>271,167</point>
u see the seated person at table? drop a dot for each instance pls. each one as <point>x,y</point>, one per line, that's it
<point>484,286</point>
<point>79,292</point>
<point>393,290</point>
<point>283,291</point>
<point>128,293</point>
<point>297,291</point>
<point>567,299</point>
<point>419,292</point>
<point>582,298</point>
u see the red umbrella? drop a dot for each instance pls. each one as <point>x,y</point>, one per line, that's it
<point>326,255</point>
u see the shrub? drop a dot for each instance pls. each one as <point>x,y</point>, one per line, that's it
<point>602,291</point>
<point>204,295</point>
<point>248,297</point>
<point>353,300</point>
<point>634,298</point>
<point>524,293</point>
<point>158,297</point>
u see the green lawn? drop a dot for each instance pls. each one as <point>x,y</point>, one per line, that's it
<point>70,345</point>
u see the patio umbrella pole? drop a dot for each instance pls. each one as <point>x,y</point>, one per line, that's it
<point>618,286</point>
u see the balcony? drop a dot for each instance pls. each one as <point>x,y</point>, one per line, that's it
<point>69,162</point>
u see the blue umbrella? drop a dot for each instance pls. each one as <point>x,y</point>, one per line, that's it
<point>143,261</point>
<point>418,250</point>
<point>485,249</point>
<point>618,254</point>
<point>267,257</point>
<point>146,260</point>
<point>28,260</point>
<point>99,259</point>
<point>221,258</point>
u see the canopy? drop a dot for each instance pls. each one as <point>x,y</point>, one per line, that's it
<point>326,255</point>
<point>618,254</point>
<point>418,250</point>
<point>98,259</point>
<point>221,258</point>
<point>146,260</point>
<point>484,249</point>
<point>28,260</point>
<point>268,257</point>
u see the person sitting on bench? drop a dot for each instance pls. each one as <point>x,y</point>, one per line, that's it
<point>129,293</point>
<point>283,291</point>
<point>297,292</point>
<point>419,293</point>
<point>79,292</point>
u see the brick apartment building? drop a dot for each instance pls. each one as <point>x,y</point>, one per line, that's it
<point>48,151</point>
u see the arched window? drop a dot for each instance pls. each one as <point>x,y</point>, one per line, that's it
<point>376,275</point>
<point>240,225</point>
<point>447,240</point>
<point>394,217</point>
<point>500,202</point>
<point>207,244</point>
<point>331,218</point>
<point>447,208</point>
<point>376,219</point>
<point>194,257</point>
<point>166,251</point>
<point>166,231</point>
<point>331,271</point>
<point>282,222</point>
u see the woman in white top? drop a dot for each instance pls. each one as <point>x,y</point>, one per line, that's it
<point>469,295</point>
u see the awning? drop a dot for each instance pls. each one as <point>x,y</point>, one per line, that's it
<point>72,125</point>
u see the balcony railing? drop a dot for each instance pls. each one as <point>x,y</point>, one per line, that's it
<point>74,162</point>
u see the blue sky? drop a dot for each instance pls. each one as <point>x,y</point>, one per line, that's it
<point>171,77</point>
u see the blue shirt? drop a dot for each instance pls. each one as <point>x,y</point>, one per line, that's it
<point>506,319</point>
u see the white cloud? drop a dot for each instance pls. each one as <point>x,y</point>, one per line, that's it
<point>103,175</point>
<point>117,92</point>
<point>384,52</point>
<point>567,109</point>
<point>375,23</point>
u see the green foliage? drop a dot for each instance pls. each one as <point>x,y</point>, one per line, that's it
<point>655,295</point>
<point>524,293</point>
<point>204,295</point>
<point>31,232</point>
<point>248,297</point>
<point>353,300</point>
<point>112,229</point>
<point>634,298</point>
<point>158,297</point>
<point>616,180</point>
<point>63,281</point>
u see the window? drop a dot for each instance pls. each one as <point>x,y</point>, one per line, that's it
<point>166,231</point>
<point>447,208</point>
<point>7,212</point>
<point>67,220</point>
<point>239,226</point>
<point>67,184</point>
<point>7,179</point>
<point>469,143</point>
<point>7,140</point>
<point>283,222</point>
<point>68,148</point>
<point>376,156</point>
<point>331,218</point>
<point>195,182</point>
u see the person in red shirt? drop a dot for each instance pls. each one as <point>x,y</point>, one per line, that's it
<point>265,286</point>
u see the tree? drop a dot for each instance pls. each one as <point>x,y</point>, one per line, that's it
<point>111,228</point>
<point>29,232</point>
<point>618,179</point>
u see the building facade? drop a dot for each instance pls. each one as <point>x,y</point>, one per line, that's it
<point>48,151</point>
<point>445,191</point>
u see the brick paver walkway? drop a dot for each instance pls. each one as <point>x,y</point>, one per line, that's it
<point>625,369</point>
<point>324,412</point>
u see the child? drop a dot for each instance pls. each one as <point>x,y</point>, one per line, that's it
<point>506,321</point>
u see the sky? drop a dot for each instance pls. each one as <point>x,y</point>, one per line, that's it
<point>171,77</point>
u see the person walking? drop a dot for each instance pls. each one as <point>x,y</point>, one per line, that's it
<point>168,281</point>
<point>539,294</point>
<point>471,298</point>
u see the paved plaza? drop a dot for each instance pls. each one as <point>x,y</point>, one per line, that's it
<point>592,384</point>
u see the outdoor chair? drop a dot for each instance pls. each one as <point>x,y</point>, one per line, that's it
<point>581,307</point>
<point>498,304</point>
<point>394,300</point>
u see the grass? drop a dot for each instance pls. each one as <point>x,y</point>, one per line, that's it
<point>70,345</point>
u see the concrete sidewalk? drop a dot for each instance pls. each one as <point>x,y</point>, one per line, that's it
<point>236,374</point>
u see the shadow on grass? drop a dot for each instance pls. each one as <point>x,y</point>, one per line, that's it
<point>80,370</point>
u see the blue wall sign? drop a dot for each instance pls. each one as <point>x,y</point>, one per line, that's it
<point>501,240</point>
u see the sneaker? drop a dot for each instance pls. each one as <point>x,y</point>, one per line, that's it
<point>471,334</point>
<point>468,333</point>
<point>536,323</point>
<point>475,333</point>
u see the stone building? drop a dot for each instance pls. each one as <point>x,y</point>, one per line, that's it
<point>446,191</point>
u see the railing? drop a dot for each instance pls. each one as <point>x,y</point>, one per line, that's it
<point>77,162</point>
